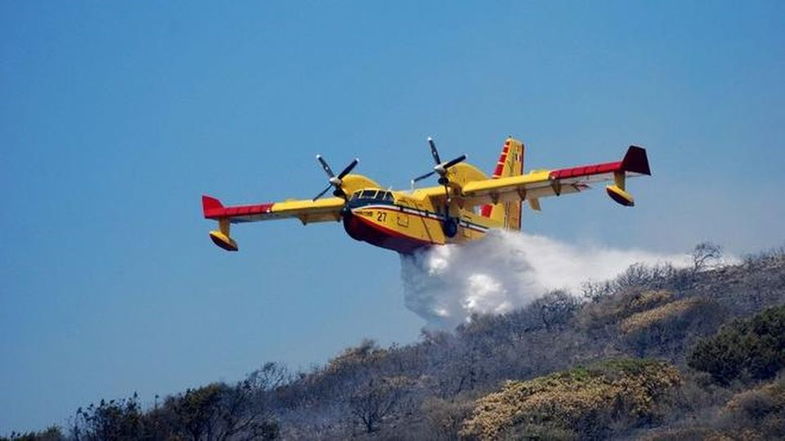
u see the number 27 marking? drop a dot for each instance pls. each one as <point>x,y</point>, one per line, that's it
<point>381,217</point>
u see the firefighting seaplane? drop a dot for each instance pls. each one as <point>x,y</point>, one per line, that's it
<point>464,205</point>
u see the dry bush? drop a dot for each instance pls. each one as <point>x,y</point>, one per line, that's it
<point>650,299</point>
<point>759,411</point>
<point>645,319</point>
<point>608,311</point>
<point>687,434</point>
<point>666,330</point>
<point>363,355</point>
<point>445,417</point>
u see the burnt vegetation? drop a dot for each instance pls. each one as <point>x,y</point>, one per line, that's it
<point>660,353</point>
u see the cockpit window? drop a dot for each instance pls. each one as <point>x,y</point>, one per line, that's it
<point>379,195</point>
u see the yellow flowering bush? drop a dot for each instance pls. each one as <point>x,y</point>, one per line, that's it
<point>579,403</point>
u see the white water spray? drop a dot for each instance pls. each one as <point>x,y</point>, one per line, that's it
<point>506,270</point>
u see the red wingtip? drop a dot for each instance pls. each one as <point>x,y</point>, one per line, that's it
<point>210,204</point>
<point>636,161</point>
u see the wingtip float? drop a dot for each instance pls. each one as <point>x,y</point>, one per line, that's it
<point>634,162</point>
<point>214,209</point>
<point>464,205</point>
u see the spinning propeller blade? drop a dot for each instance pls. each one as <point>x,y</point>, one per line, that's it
<point>434,152</point>
<point>440,167</point>
<point>335,181</point>
<point>323,192</point>
<point>450,224</point>
<point>449,164</point>
<point>349,168</point>
<point>325,166</point>
<point>420,178</point>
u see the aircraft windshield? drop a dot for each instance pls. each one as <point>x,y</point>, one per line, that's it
<point>379,195</point>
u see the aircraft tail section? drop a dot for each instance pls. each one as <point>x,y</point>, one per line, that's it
<point>510,163</point>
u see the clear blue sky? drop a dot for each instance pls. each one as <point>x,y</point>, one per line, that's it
<point>115,118</point>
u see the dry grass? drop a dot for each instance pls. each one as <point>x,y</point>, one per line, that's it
<point>645,319</point>
<point>650,299</point>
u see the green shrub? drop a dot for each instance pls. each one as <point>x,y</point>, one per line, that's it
<point>752,348</point>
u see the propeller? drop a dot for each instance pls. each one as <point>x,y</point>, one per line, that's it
<point>441,168</point>
<point>335,181</point>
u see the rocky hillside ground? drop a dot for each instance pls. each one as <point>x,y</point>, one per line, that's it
<point>658,354</point>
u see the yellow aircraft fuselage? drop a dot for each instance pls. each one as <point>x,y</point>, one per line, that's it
<point>405,222</point>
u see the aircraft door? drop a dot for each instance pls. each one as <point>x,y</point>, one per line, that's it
<point>403,219</point>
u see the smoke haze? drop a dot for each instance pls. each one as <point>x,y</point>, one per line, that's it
<point>506,270</point>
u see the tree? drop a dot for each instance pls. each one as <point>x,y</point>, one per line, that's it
<point>114,420</point>
<point>218,412</point>
<point>376,399</point>
<point>269,377</point>
<point>51,434</point>
<point>704,255</point>
<point>196,410</point>
<point>556,308</point>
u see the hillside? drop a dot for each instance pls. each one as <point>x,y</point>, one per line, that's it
<point>658,354</point>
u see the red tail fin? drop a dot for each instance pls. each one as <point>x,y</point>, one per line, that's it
<point>210,204</point>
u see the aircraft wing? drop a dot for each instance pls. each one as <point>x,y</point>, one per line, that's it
<point>307,211</point>
<point>544,183</point>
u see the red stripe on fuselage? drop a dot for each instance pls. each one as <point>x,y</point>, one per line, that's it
<point>365,230</point>
<point>464,224</point>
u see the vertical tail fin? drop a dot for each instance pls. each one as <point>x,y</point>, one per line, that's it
<point>510,164</point>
